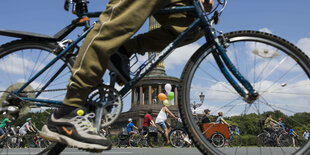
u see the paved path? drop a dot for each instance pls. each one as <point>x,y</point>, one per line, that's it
<point>163,151</point>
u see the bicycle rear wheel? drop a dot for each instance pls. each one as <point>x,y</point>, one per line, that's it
<point>277,70</point>
<point>22,59</point>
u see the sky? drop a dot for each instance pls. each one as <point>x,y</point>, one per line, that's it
<point>285,18</point>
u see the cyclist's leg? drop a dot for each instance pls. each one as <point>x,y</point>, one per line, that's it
<point>165,129</point>
<point>116,24</point>
<point>2,133</point>
<point>171,26</point>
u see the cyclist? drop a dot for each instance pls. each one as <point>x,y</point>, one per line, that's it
<point>220,119</point>
<point>26,127</point>
<point>306,135</point>
<point>161,120</point>
<point>269,126</point>
<point>293,134</point>
<point>205,118</point>
<point>116,25</point>
<point>3,125</point>
<point>130,127</point>
<point>148,120</point>
<point>281,124</point>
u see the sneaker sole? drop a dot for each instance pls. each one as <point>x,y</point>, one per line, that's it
<point>53,136</point>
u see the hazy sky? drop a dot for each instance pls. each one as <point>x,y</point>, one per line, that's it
<point>285,18</point>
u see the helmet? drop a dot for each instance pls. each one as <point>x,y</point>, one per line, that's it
<point>280,119</point>
<point>28,119</point>
<point>129,120</point>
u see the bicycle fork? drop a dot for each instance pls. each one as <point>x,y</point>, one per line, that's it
<point>230,72</point>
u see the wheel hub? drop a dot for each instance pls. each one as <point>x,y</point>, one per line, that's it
<point>251,98</point>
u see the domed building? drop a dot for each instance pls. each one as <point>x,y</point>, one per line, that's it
<point>144,95</point>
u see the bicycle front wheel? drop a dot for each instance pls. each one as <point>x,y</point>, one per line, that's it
<point>277,70</point>
<point>134,140</point>
<point>178,137</point>
<point>235,140</point>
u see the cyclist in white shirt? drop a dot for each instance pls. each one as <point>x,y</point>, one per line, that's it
<point>26,127</point>
<point>161,120</point>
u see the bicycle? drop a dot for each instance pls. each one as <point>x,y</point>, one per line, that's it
<point>178,136</point>
<point>154,138</point>
<point>265,139</point>
<point>270,139</point>
<point>235,139</point>
<point>290,68</point>
<point>12,140</point>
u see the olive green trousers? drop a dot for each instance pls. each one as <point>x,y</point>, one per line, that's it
<point>117,24</point>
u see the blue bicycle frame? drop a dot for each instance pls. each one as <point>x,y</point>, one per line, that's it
<point>202,21</point>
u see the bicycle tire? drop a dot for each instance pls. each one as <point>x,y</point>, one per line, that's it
<point>21,59</point>
<point>176,137</point>
<point>235,140</point>
<point>270,48</point>
<point>260,140</point>
<point>134,140</point>
<point>217,139</point>
<point>285,140</point>
<point>12,142</point>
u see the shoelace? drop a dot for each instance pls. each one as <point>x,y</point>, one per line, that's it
<point>86,124</point>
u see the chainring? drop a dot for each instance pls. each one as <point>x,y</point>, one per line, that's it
<point>111,101</point>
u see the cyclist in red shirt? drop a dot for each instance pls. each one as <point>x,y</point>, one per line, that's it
<point>148,120</point>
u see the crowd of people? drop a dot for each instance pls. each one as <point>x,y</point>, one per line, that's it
<point>277,127</point>
<point>270,125</point>
<point>27,127</point>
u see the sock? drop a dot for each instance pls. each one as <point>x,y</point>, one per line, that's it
<point>63,110</point>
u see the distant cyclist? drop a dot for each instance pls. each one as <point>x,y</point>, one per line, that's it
<point>293,134</point>
<point>306,135</point>
<point>161,120</point>
<point>148,121</point>
<point>4,124</point>
<point>281,124</point>
<point>220,119</point>
<point>205,118</point>
<point>269,126</point>
<point>26,127</point>
<point>130,127</point>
